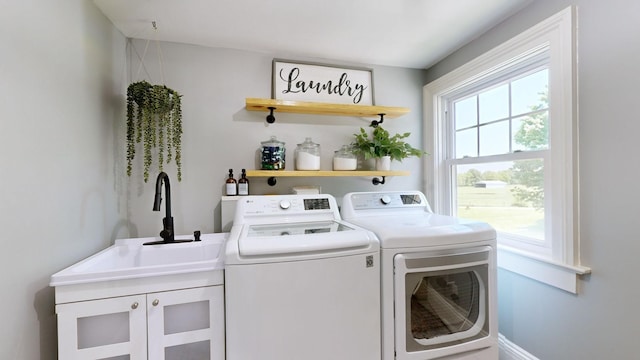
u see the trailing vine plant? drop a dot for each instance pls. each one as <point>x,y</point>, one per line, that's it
<point>154,117</point>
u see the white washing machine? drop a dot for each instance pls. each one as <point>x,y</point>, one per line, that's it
<point>300,283</point>
<point>438,278</point>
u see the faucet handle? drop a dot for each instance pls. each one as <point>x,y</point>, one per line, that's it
<point>165,234</point>
<point>196,235</point>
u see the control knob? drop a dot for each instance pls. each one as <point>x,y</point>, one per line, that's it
<point>285,204</point>
<point>385,199</point>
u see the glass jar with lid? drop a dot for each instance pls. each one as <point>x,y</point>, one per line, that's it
<point>307,155</point>
<point>273,153</point>
<point>345,158</point>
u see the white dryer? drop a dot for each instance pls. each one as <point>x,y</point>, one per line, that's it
<point>438,278</point>
<point>300,283</point>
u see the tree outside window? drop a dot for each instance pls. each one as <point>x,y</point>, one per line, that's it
<point>508,194</point>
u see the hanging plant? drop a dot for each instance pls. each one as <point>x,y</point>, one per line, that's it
<point>154,117</point>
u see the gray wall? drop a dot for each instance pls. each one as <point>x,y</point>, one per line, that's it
<point>65,194</point>
<point>601,321</point>
<point>220,134</point>
<point>60,86</point>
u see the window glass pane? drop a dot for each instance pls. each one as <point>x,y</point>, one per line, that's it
<point>508,195</point>
<point>530,93</point>
<point>517,124</point>
<point>466,113</point>
<point>494,104</point>
<point>467,143</point>
<point>494,139</point>
<point>531,132</point>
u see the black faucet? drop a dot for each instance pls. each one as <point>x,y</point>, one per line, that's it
<point>167,233</point>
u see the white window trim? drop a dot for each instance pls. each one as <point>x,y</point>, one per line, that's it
<point>557,33</point>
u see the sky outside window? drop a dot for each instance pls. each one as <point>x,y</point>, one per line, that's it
<point>486,123</point>
<point>494,104</point>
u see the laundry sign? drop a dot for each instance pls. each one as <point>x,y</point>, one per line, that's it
<point>321,83</point>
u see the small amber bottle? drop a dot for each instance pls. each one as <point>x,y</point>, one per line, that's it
<point>243,184</point>
<point>231,185</point>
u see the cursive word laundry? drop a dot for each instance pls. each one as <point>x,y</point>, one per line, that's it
<point>341,87</point>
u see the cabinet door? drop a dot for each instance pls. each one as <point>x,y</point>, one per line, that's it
<point>186,324</point>
<point>106,329</point>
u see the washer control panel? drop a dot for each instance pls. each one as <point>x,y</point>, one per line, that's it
<point>317,204</point>
<point>300,206</point>
<point>393,200</point>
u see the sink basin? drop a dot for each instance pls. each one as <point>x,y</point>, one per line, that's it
<point>128,259</point>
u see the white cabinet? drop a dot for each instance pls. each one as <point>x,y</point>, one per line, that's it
<point>185,324</point>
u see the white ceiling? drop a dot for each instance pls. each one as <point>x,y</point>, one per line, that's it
<point>403,33</point>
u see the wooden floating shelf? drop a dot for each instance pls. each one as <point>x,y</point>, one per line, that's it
<point>324,173</point>
<point>272,174</point>
<point>305,107</point>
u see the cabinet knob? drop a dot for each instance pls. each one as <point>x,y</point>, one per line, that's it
<point>155,302</point>
<point>134,305</point>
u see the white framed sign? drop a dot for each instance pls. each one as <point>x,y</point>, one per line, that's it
<point>301,81</point>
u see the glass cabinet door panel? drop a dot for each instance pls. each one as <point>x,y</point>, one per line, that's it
<point>193,351</point>
<point>103,329</point>
<point>99,330</point>
<point>186,322</point>
<point>186,317</point>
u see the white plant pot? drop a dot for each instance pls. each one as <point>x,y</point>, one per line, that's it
<point>383,163</point>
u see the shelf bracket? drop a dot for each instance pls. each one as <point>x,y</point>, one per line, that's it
<point>272,181</point>
<point>375,123</point>
<point>377,181</point>
<point>270,118</point>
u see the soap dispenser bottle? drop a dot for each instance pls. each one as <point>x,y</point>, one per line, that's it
<point>231,185</point>
<point>243,184</point>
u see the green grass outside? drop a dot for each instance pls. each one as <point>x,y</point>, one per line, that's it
<point>497,206</point>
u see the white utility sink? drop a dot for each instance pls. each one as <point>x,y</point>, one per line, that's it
<point>129,259</point>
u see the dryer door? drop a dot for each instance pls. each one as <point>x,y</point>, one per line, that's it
<point>442,301</point>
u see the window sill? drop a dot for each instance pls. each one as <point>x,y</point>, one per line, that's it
<point>559,275</point>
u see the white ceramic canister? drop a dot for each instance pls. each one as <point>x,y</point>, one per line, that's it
<point>307,155</point>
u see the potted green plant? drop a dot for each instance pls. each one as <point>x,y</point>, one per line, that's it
<point>154,114</point>
<point>383,147</point>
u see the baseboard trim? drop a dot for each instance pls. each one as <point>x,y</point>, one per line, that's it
<point>511,351</point>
